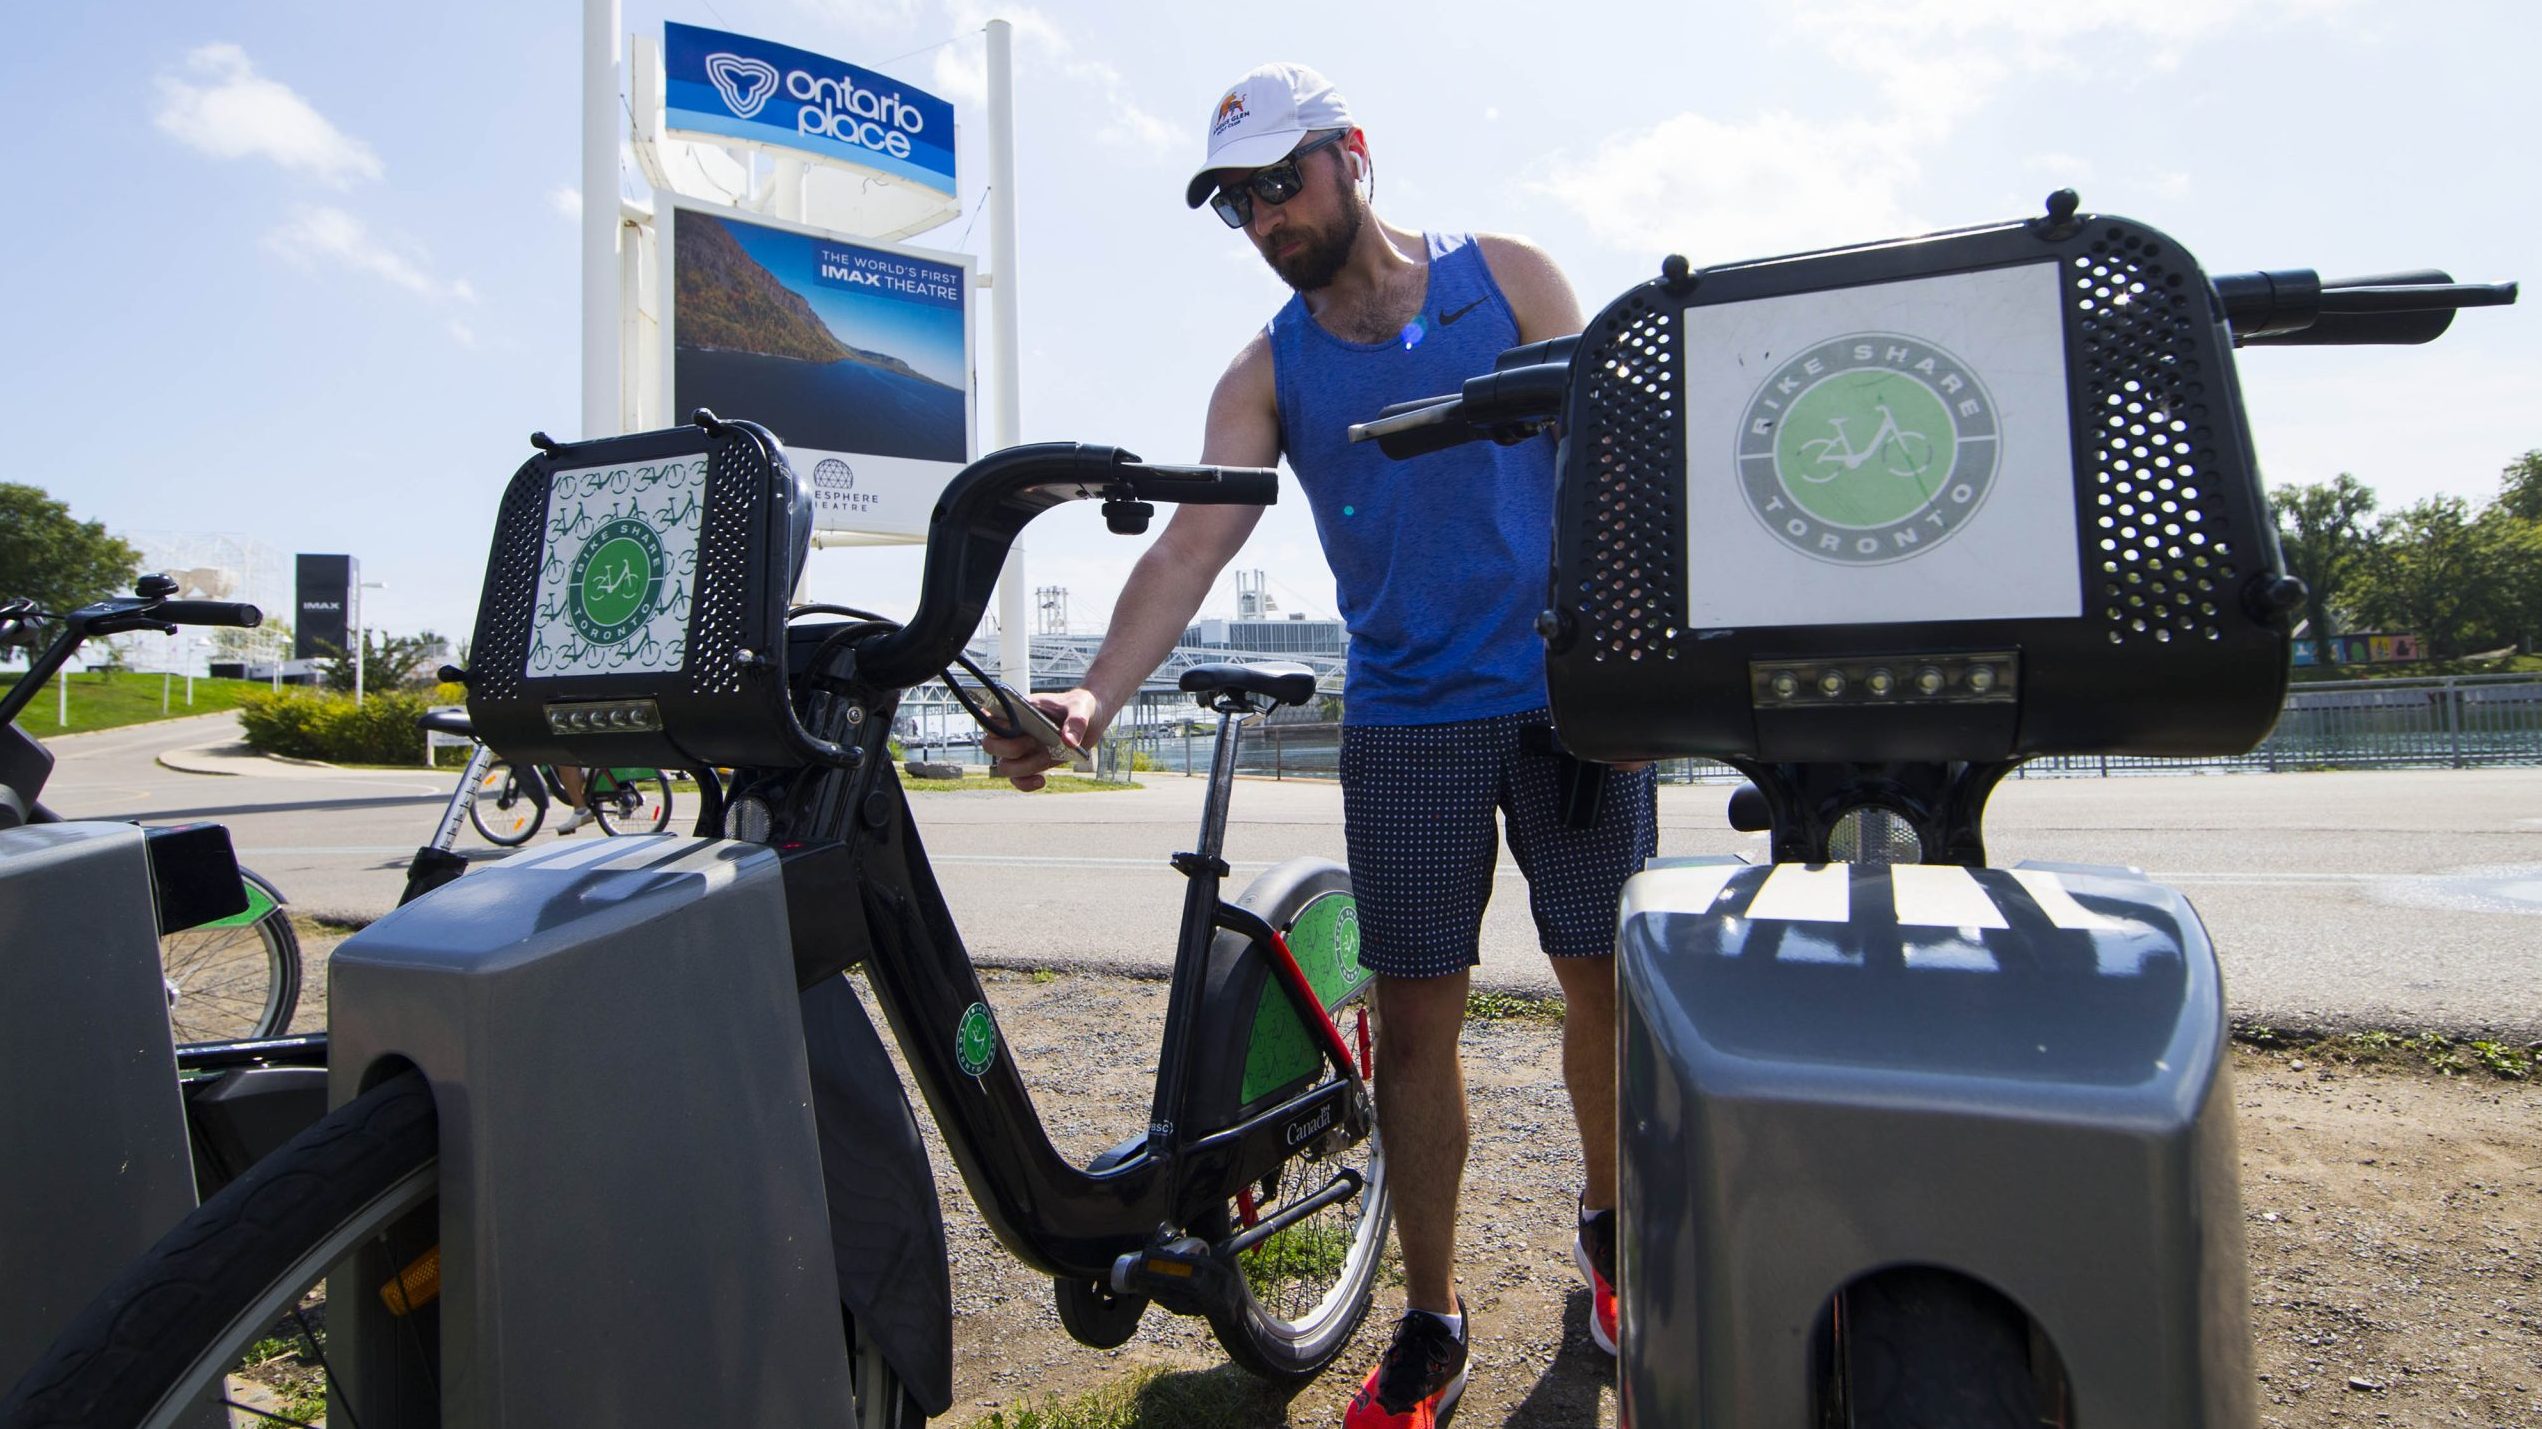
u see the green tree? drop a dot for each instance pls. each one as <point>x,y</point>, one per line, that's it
<point>2327,534</point>
<point>54,560</point>
<point>2433,573</point>
<point>2511,552</point>
<point>390,662</point>
<point>2520,487</point>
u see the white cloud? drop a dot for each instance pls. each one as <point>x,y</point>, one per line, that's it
<point>229,111</point>
<point>960,73</point>
<point>461,333</point>
<point>316,232</point>
<point>1718,187</point>
<point>566,200</point>
<point>1717,191</point>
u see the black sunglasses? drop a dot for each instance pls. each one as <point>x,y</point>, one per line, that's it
<point>1275,185</point>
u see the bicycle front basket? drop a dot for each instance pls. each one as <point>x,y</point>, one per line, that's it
<point>633,585</point>
<point>1978,496</point>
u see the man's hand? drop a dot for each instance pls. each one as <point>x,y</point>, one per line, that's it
<point>1081,718</point>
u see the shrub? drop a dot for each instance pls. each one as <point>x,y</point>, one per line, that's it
<point>311,724</point>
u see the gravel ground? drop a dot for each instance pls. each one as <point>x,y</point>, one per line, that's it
<point>2394,1220</point>
<point>2394,1223</point>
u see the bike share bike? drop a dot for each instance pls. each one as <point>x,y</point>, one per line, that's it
<point>1913,1140</point>
<point>508,806</point>
<point>228,979</point>
<point>600,1104</point>
<point>124,1085</point>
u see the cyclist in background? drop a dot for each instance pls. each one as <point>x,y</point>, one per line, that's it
<point>570,779</point>
<point>1439,563</point>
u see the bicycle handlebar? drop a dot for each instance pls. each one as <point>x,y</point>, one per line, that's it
<point>209,612</point>
<point>2284,307</point>
<point>150,609</point>
<point>990,501</point>
<point>2292,307</point>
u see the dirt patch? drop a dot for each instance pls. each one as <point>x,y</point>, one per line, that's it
<point>2394,1219</point>
<point>2393,1214</point>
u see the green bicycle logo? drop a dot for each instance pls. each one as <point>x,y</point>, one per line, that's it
<point>975,1041</point>
<point>1868,449</point>
<point>615,583</point>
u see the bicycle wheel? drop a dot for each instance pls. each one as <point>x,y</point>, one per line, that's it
<point>164,1335</point>
<point>357,1191</point>
<point>235,979</point>
<point>1916,1345</point>
<point>634,805</point>
<point>1307,1286</point>
<point>502,808</point>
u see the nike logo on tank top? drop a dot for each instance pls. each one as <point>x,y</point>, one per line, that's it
<point>1440,562</point>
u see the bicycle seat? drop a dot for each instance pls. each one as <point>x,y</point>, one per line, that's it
<point>1282,682</point>
<point>447,722</point>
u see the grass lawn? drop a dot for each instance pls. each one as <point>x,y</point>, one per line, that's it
<point>103,701</point>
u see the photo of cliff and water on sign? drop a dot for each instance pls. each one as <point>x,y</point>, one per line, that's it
<point>833,346</point>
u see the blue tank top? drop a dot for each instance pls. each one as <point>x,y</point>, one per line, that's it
<point>1440,562</point>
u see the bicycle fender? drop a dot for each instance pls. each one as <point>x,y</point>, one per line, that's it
<point>886,1225</point>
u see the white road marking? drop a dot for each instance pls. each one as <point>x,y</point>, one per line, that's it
<point>1941,895</point>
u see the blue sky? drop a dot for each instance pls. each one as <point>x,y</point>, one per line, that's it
<point>308,270</point>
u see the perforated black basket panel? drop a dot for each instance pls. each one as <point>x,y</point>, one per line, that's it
<point>727,552</point>
<point>714,560</point>
<point>2165,651</point>
<point>501,648</point>
<point>2166,547</point>
<point>1625,593</point>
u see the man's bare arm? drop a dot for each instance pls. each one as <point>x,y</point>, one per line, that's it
<point>1169,582</point>
<point>1539,296</point>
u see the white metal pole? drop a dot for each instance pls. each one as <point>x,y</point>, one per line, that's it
<point>62,714</point>
<point>1014,646</point>
<point>600,218</point>
<point>358,651</point>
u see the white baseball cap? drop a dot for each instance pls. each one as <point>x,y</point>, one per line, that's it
<point>1262,118</point>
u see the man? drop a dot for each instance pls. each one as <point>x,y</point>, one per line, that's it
<point>1440,564</point>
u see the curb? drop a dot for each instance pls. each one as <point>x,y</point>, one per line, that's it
<point>207,759</point>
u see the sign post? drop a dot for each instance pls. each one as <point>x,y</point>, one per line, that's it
<point>786,145</point>
<point>600,221</point>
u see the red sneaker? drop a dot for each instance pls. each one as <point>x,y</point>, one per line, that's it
<point>1416,1385</point>
<point>1594,1253</point>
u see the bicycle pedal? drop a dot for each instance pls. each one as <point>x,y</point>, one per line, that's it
<point>1185,1276</point>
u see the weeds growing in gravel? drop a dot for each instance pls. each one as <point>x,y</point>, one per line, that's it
<point>2425,1051</point>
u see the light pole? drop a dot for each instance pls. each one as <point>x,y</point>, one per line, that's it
<point>359,644</point>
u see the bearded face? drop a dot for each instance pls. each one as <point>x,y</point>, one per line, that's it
<point>1308,256</point>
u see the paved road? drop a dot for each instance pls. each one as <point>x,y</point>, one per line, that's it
<point>2400,898</point>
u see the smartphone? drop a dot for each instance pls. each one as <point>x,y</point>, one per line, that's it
<point>1028,717</point>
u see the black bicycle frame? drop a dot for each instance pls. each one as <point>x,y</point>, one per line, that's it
<point>859,877</point>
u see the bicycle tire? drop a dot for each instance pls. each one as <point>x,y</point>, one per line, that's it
<point>160,1338</point>
<point>1288,1332</point>
<point>635,806</point>
<point>507,825</point>
<point>233,982</point>
<point>1917,1346</point>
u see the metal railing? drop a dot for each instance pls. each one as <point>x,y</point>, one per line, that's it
<point>2445,722</point>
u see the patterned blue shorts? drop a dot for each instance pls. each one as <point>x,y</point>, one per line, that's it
<point>1417,806</point>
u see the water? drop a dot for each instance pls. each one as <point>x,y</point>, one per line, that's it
<point>846,406</point>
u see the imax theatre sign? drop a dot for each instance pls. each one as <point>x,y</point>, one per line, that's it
<point>735,87</point>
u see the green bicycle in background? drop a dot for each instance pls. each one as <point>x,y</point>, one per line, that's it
<point>508,808</point>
